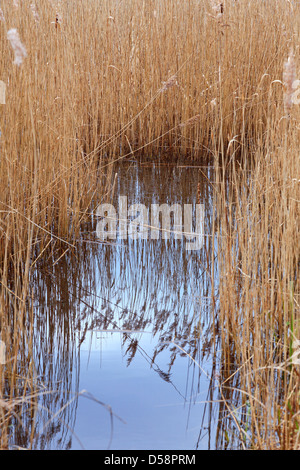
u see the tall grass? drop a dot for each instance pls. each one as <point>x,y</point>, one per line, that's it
<point>47,185</point>
<point>258,229</point>
<point>103,79</point>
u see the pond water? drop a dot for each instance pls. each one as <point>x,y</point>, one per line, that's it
<point>123,331</point>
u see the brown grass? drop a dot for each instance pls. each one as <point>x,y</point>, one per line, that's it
<point>108,78</point>
<point>259,296</point>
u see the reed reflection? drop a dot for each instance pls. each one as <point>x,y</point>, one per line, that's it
<point>157,285</point>
<point>129,286</point>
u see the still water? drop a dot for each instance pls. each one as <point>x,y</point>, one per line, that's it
<point>123,331</point>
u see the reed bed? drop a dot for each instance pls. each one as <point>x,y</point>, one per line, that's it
<point>99,79</point>
<point>88,82</point>
<point>258,259</point>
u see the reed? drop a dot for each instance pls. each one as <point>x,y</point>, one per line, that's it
<point>46,186</point>
<point>258,213</point>
<point>145,77</point>
<point>86,82</point>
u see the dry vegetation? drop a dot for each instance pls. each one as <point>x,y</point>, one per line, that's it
<point>258,226</point>
<point>105,79</point>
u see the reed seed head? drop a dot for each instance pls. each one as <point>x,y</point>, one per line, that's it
<point>172,81</point>
<point>19,49</point>
<point>289,77</point>
<point>34,12</point>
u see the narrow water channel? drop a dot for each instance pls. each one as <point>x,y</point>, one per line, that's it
<point>123,331</point>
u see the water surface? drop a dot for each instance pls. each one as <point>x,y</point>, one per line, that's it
<point>123,331</point>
